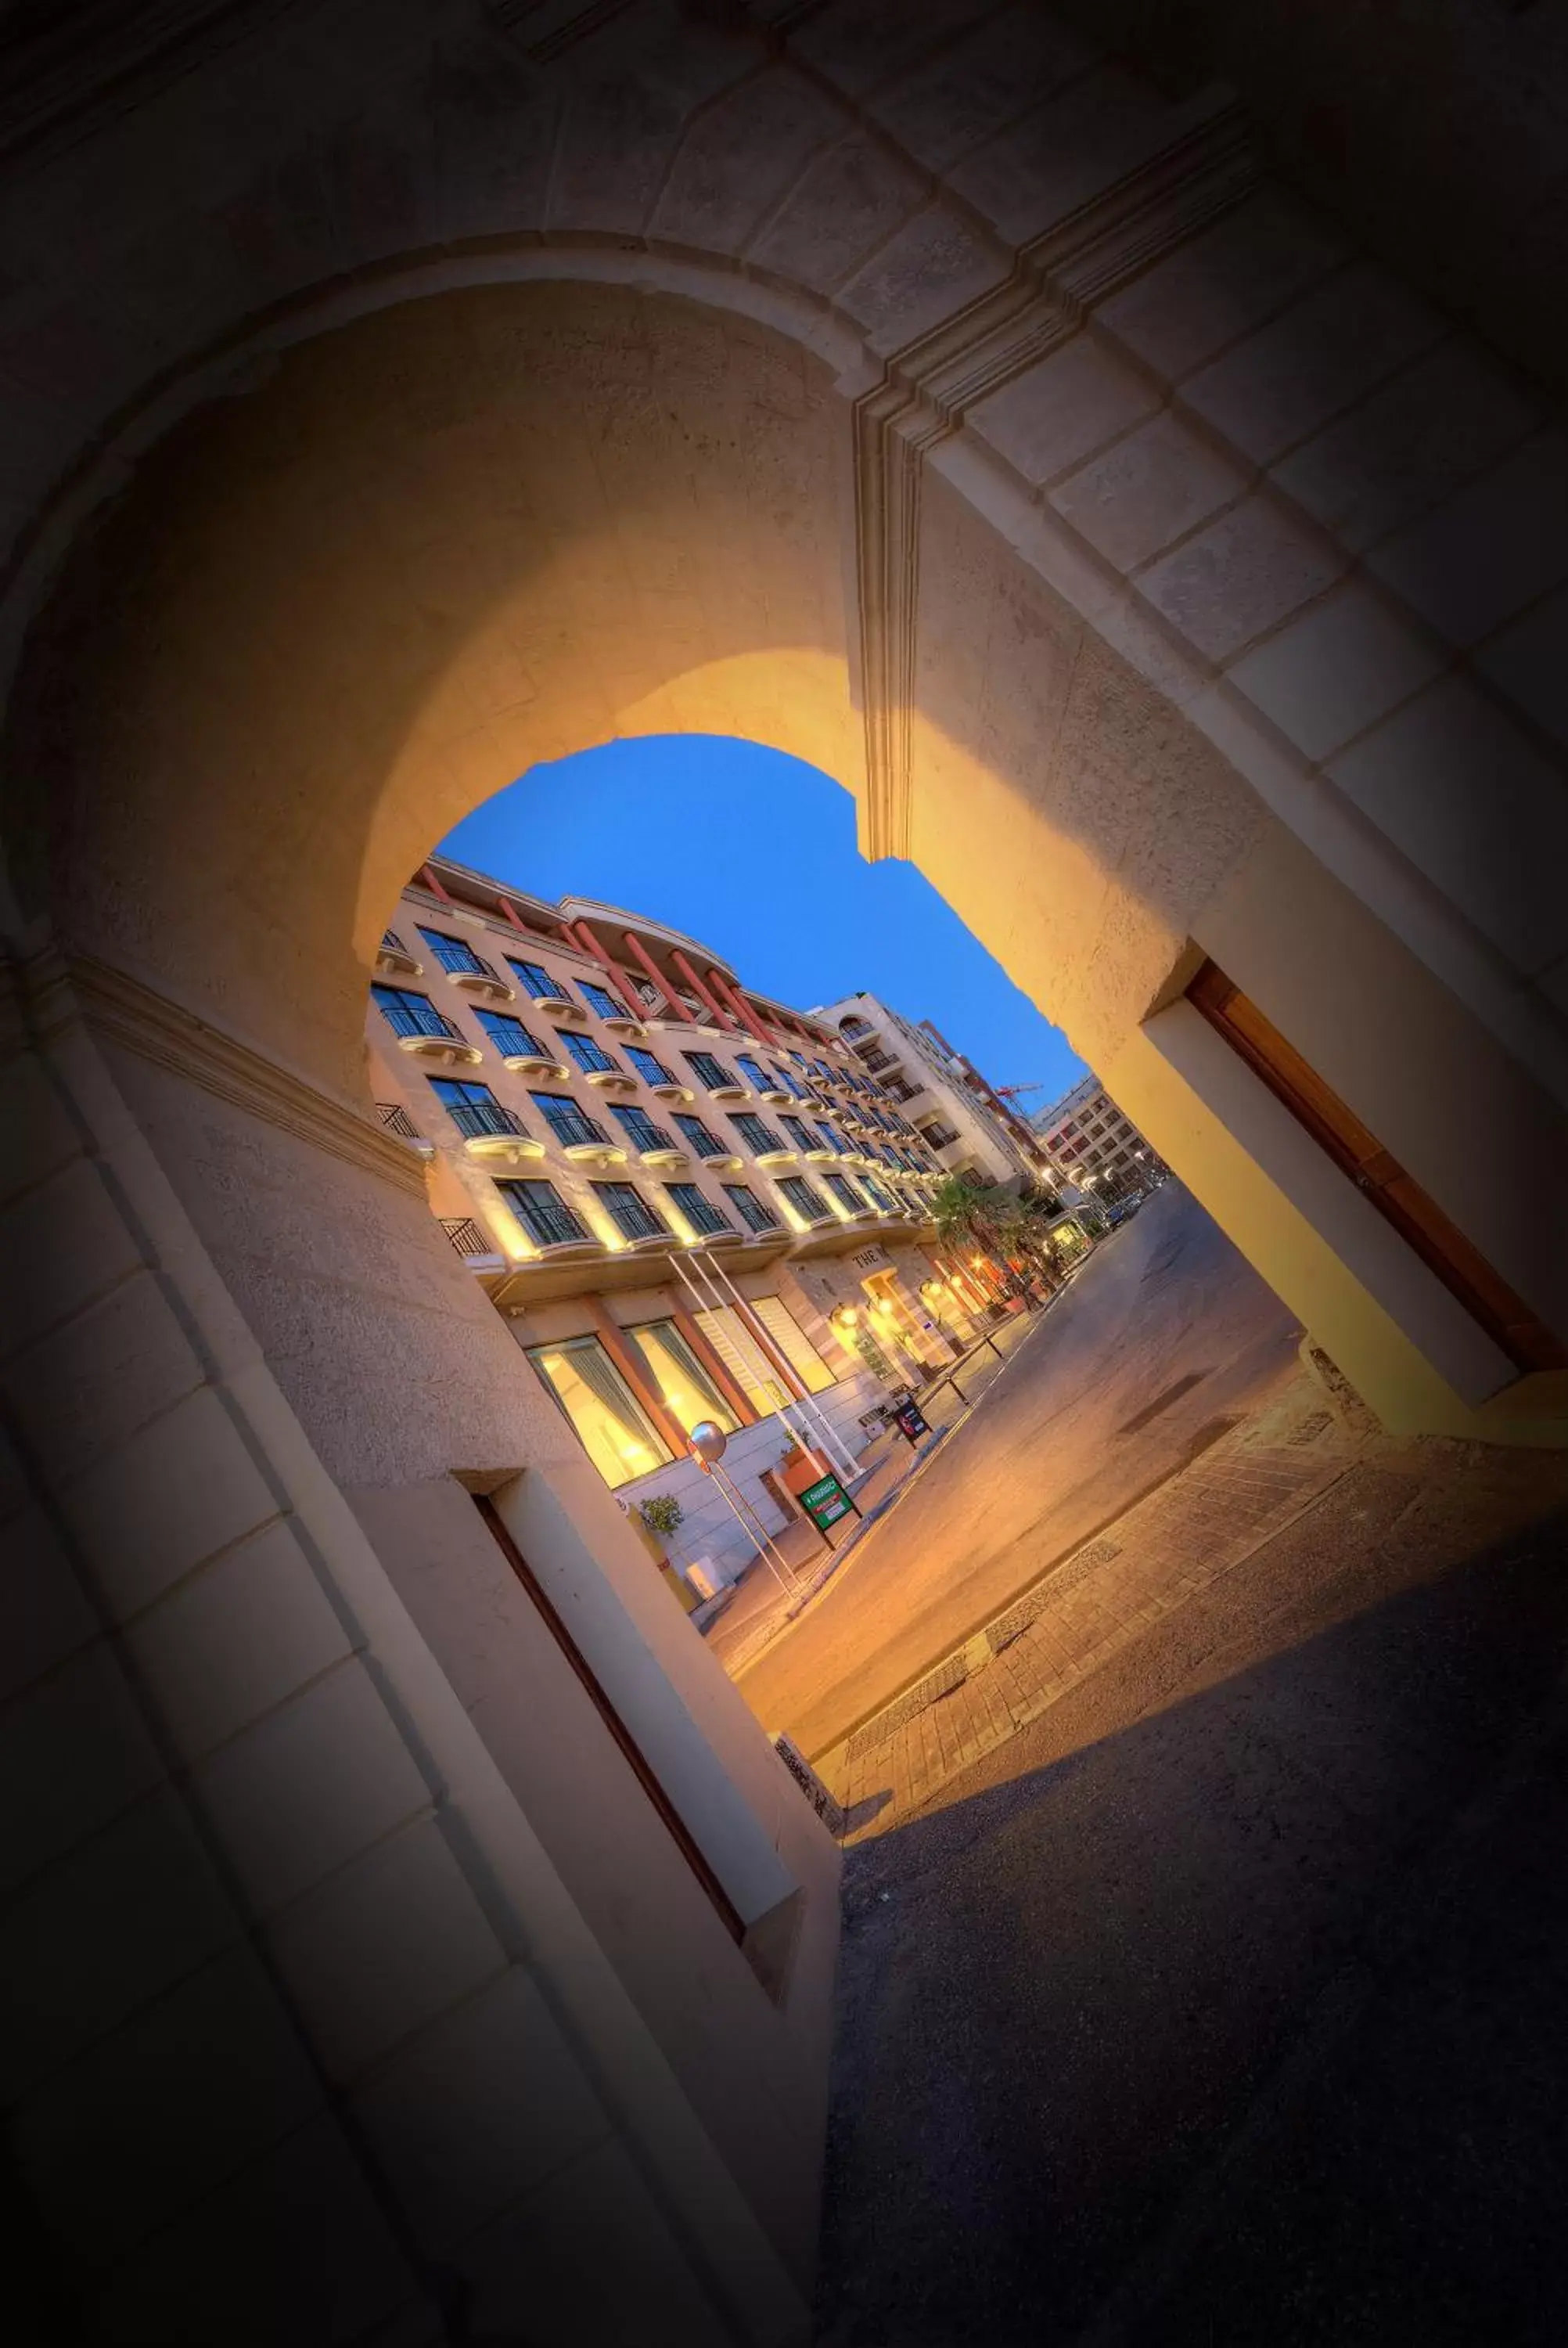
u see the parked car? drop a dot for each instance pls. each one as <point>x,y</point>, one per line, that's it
<point>1123,1210</point>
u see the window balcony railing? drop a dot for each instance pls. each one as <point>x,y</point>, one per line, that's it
<point>705,1217</point>
<point>552,1226</point>
<point>467,1236</point>
<point>392,954</point>
<point>941,1137</point>
<point>412,1018</point>
<point>396,1119</point>
<point>573,1127</point>
<point>473,1119</point>
<point>633,1221</point>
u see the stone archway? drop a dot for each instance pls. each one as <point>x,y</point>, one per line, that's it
<point>325,614</point>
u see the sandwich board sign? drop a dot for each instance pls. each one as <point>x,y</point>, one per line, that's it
<point>826,1501</point>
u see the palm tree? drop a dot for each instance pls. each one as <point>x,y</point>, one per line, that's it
<point>992,1217</point>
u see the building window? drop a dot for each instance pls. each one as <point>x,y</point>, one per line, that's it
<point>876,1193</point>
<point>567,1122</point>
<point>845,1191</point>
<point>684,1386</point>
<point>803,1197</point>
<point>542,1212</point>
<point>610,1422</point>
<point>599,999</point>
<point>630,1211</point>
<point>793,1342</point>
<point>799,1132</point>
<point>452,953</point>
<point>758,1136</point>
<point>696,1134</point>
<point>407,1013</point>
<point>650,1068</point>
<point>707,1070</point>
<point>510,1037</point>
<point>587,1053</point>
<point>835,1140</point>
<point>641,1130</point>
<point>740,1349</point>
<point>473,1108</point>
<point>750,1207</point>
<point>792,1085</point>
<point>536,978</point>
<point>755,1073</point>
<point>699,1211</point>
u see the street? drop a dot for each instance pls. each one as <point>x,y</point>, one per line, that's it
<point>1223,2003</point>
<point>1165,1334</point>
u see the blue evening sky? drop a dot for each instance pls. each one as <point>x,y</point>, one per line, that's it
<point>761,866</point>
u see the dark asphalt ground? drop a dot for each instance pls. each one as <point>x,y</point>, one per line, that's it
<point>1228,2002</point>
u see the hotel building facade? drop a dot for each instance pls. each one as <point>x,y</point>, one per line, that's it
<point>688,1200</point>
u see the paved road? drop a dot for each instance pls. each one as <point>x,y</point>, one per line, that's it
<point>1164,1309</point>
<point>1226,2005</point>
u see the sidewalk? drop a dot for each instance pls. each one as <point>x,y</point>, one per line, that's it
<point>740,1634</point>
<point>1243,1490</point>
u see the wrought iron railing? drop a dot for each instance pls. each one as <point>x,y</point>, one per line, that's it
<point>414,1016</point>
<point>467,1236</point>
<point>514,1041</point>
<point>752,1211</point>
<point>550,1220</point>
<point>456,954</point>
<point>476,1117</point>
<point>396,1119</point>
<point>702,1215</point>
<point>574,1125</point>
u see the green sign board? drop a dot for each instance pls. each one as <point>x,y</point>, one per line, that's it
<point>824,1502</point>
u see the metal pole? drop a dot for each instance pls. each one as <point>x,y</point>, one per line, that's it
<point>766,1379</point>
<point>750,1522</point>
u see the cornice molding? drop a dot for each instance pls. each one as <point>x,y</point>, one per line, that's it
<point>926,389</point>
<point>61,990</point>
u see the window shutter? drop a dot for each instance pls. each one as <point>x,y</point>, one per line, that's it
<point>793,1342</point>
<point>744,1358</point>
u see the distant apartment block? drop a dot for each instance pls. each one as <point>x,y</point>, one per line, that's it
<point>1085,1133</point>
<point>958,1114</point>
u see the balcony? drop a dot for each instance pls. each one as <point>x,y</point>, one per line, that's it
<point>768,1159</point>
<point>776,1095</point>
<point>394,960</point>
<point>728,1093</point>
<point>724,1161</point>
<point>536,1064</point>
<point>632,1031</point>
<point>610,1080</point>
<point>393,1118</point>
<point>559,1006</point>
<point>491,1133</point>
<point>482,979</point>
<point>475,1246</point>
<point>435,1038</point>
<point>503,1149</point>
<point>672,1092</point>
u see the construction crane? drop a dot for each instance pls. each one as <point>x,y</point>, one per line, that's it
<point>1011,1092</point>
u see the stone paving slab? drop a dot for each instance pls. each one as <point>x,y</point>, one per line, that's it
<point>1113,1590</point>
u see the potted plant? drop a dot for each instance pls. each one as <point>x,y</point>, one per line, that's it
<point>663,1514</point>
